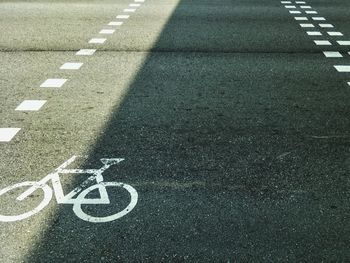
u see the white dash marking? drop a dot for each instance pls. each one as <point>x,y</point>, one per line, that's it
<point>311,12</point>
<point>85,52</point>
<point>335,34</point>
<point>290,6</point>
<point>97,40</point>
<point>115,23</point>
<point>71,66</point>
<point>332,54</point>
<point>349,83</point>
<point>314,33</point>
<point>107,31</point>
<point>300,18</point>
<point>326,25</point>
<point>286,2</point>
<point>31,105</point>
<point>342,68</point>
<point>129,10</point>
<point>305,7</point>
<point>322,43</point>
<point>343,43</point>
<point>294,12</point>
<point>300,2</point>
<point>318,18</point>
<point>123,16</point>
<point>7,134</point>
<point>53,83</point>
<point>307,25</point>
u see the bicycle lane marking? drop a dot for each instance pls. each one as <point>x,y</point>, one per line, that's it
<point>77,196</point>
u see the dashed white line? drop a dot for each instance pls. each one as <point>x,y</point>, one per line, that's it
<point>107,31</point>
<point>337,34</point>
<point>343,43</point>
<point>85,52</point>
<point>30,105</point>
<point>300,2</point>
<point>326,25</point>
<point>314,33</point>
<point>286,2</point>
<point>71,66</point>
<point>318,18</point>
<point>97,40</point>
<point>322,42</point>
<point>300,18</point>
<point>115,23</point>
<point>307,25</point>
<point>122,16</point>
<point>129,10</point>
<point>53,83</point>
<point>305,7</point>
<point>7,134</point>
<point>294,12</point>
<point>311,12</point>
<point>332,54</point>
<point>342,68</point>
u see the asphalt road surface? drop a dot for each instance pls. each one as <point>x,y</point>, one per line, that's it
<point>232,117</point>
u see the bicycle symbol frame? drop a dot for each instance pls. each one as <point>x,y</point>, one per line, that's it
<point>79,192</point>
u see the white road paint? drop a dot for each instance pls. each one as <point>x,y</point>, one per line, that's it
<point>107,31</point>
<point>332,54</point>
<point>30,105</point>
<point>290,6</point>
<point>335,34</point>
<point>343,43</point>
<point>300,18</point>
<point>322,42</point>
<point>97,40</point>
<point>115,23</point>
<point>286,2</point>
<point>93,219</point>
<point>300,2</point>
<point>305,7</point>
<point>7,134</point>
<point>314,33</point>
<point>294,12</point>
<point>122,16</point>
<point>85,52</point>
<point>311,12</point>
<point>77,197</point>
<point>71,66</point>
<point>47,197</point>
<point>318,18</point>
<point>349,83</point>
<point>53,83</point>
<point>129,10</point>
<point>307,25</point>
<point>326,25</point>
<point>342,68</point>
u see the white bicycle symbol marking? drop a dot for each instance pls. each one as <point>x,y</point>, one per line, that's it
<point>96,174</point>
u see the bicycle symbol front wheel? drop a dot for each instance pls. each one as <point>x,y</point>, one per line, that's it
<point>47,198</point>
<point>80,198</point>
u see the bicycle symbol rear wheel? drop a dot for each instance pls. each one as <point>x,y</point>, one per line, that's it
<point>80,198</point>
<point>47,198</point>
